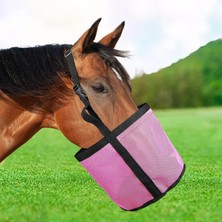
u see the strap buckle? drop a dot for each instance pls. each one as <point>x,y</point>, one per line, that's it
<point>82,95</point>
<point>79,90</point>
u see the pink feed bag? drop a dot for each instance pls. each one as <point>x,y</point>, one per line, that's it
<point>136,164</point>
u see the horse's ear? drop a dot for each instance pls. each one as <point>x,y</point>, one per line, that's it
<point>112,38</point>
<point>86,40</point>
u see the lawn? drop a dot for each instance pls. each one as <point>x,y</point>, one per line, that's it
<point>42,182</point>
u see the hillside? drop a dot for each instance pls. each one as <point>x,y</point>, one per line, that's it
<point>193,81</point>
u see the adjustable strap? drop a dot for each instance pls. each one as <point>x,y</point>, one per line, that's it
<point>77,87</point>
<point>88,114</point>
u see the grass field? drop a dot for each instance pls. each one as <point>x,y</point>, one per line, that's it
<point>42,182</point>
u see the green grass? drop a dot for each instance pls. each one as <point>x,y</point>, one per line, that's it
<point>42,182</point>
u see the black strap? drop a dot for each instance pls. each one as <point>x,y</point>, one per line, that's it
<point>77,87</point>
<point>89,115</point>
<point>92,117</point>
<point>72,67</point>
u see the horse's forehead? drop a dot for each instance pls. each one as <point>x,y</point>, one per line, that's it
<point>93,64</point>
<point>95,61</point>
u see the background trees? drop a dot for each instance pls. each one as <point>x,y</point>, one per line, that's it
<point>193,81</point>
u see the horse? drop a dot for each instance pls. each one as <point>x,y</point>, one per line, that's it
<point>36,90</point>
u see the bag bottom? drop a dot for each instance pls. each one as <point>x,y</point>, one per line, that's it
<point>159,197</point>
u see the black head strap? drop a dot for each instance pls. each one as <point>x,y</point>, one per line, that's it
<point>77,87</point>
<point>91,115</point>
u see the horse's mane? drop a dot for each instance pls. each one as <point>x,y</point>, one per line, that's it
<point>29,71</point>
<point>34,71</point>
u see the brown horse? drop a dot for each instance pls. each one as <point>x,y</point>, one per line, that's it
<point>36,90</point>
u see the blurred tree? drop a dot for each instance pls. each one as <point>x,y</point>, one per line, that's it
<point>193,81</point>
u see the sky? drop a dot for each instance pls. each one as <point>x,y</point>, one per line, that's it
<point>157,32</point>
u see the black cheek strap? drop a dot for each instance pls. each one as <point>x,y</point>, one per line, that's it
<point>88,114</point>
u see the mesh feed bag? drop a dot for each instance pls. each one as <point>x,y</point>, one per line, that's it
<point>136,164</point>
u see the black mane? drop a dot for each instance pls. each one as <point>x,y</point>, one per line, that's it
<point>30,70</point>
<point>37,70</point>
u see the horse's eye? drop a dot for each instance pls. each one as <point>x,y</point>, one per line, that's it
<point>99,88</point>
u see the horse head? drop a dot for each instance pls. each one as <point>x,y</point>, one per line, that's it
<point>105,82</point>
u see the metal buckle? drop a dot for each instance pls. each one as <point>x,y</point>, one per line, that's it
<point>67,53</point>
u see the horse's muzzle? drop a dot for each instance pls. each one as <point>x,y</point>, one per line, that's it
<point>136,164</point>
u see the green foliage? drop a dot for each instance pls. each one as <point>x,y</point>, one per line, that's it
<point>42,182</point>
<point>191,82</point>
